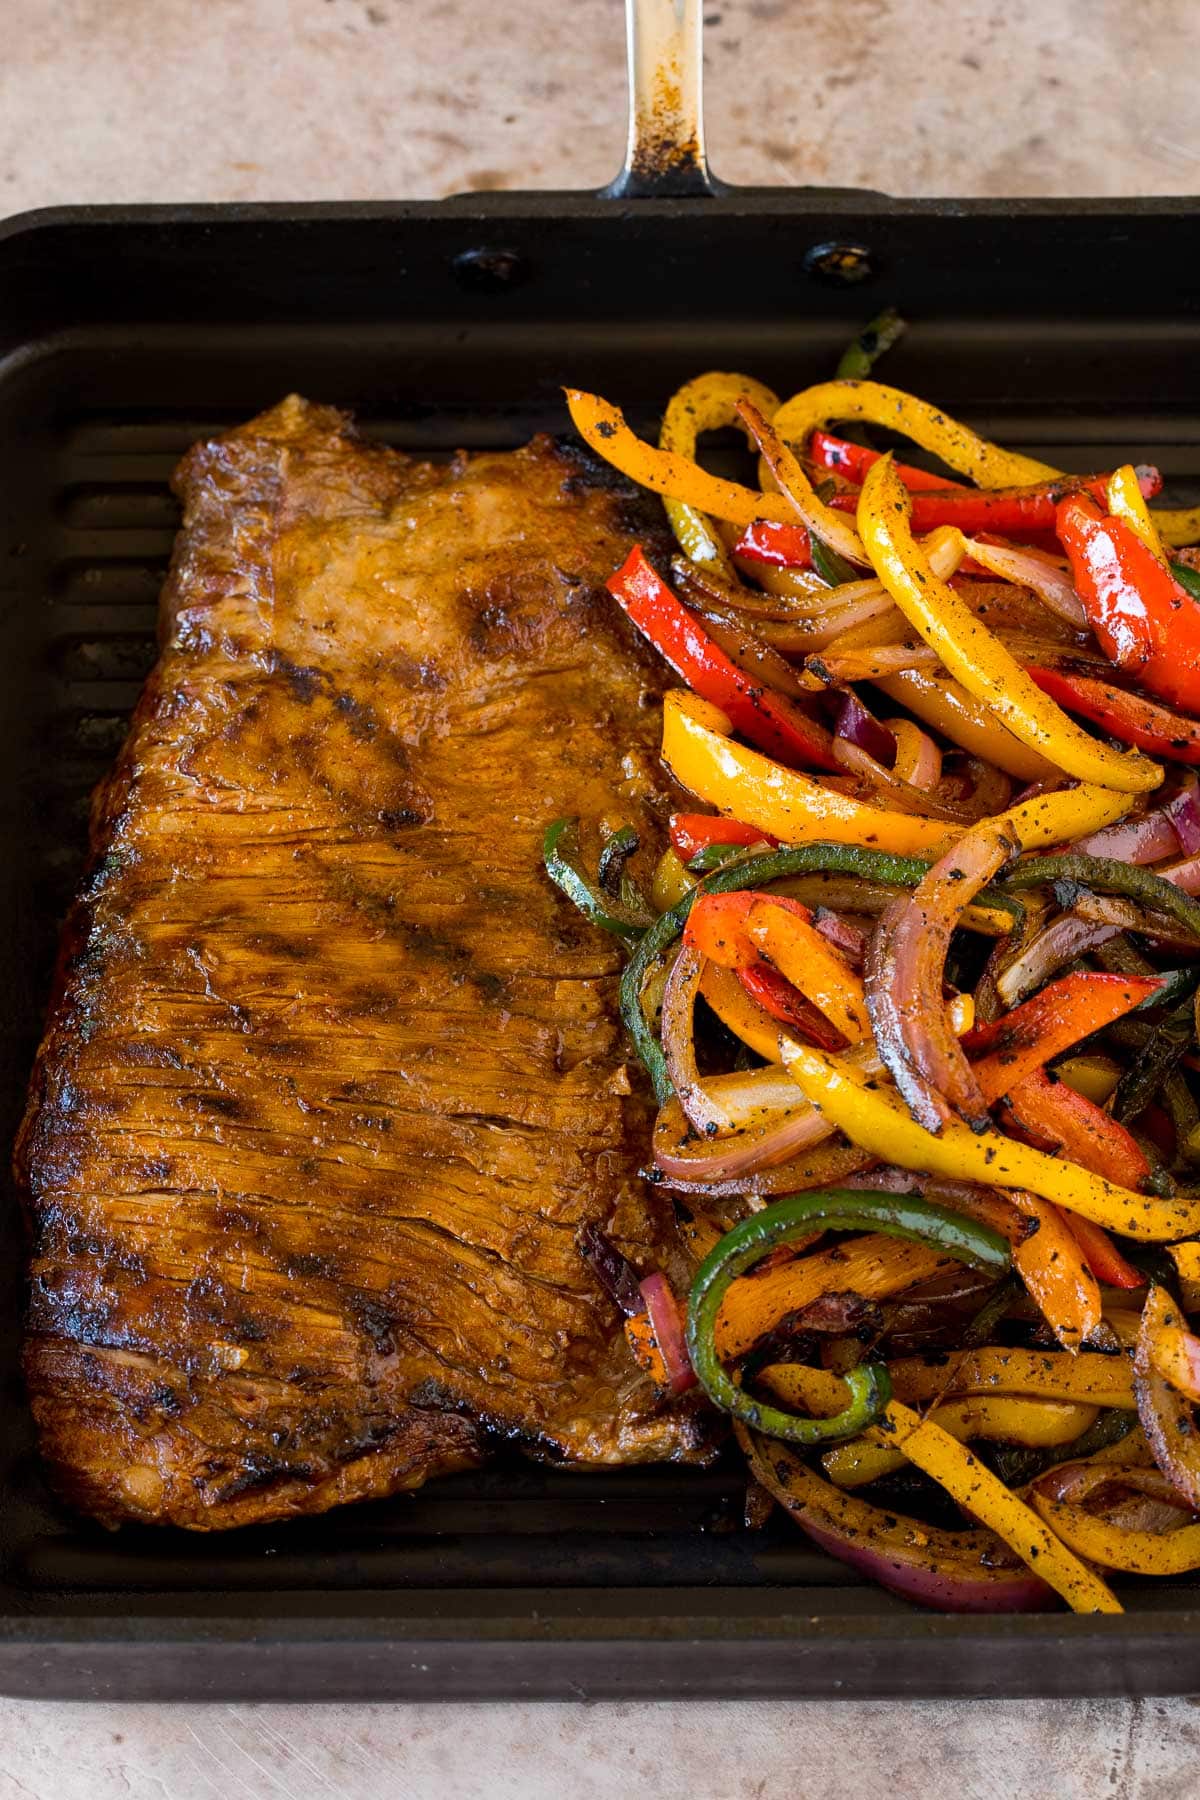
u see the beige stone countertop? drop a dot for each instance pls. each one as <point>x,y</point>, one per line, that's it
<point>127,100</point>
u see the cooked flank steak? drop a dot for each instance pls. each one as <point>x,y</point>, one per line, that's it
<point>333,1077</point>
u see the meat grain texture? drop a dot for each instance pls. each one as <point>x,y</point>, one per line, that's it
<point>333,1077</point>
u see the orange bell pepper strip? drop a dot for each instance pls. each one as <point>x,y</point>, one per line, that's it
<point>1084,1133</point>
<point>747,930</point>
<point>1029,1036</point>
<point>874,1266</point>
<point>1093,1377</point>
<point>1126,716</point>
<point>1113,1547</point>
<point>1052,1266</point>
<point>770,720</point>
<point>1175,1354</point>
<point>1146,622</point>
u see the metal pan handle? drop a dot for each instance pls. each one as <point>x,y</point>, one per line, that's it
<point>664,157</point>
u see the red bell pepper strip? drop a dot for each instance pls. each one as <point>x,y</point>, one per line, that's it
<point>776,995</point>
<point>693,832</point>
<point>1101,1254</point>
<point>1145,621</point>
<point>853,461</point>
<point>1013,511</point>
<point>1125,716</point>
<point>1055,1114</point>
<point>769,720</point>
<point>1024,1040</point>
<point>775,546</point>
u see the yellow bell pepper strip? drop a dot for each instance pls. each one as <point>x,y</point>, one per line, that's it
<point>1089,1378</point>
<point>1093,1076</point>
<point>706,404</point>
<point>1167,1415</point>
<point>823,521</point>
<point>1186,1258</point>
<point>602,426</point>
<point>945,704</point>
<point>877,1120</point>
<point>1124,499</point>
<point>1175,1354</point>
<point>974,655</point>
<point>1137,1552</point>
<point>996,1418</point>
<point>954,1467</point>
<point>739,1012</point>
<point>959,448</point>
<point>874,403</point>
<point>671,881</point>
<point>698,751</point>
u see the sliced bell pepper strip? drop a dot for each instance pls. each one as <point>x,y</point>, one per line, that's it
<point>1055,1272</point>
<point>1064,1121</point>
<point>1113,1547</point>
<point>853,461</point>
<point>973,654</point>
<point>835,1209</point>
<point>1004,1418</point>
<point>1032,1034</point>
<point>602,426</point>
<point>1097,1379</point>
<point>1107,876</point>
<point>741,1011</point>
<point>783,1000</point>
<point>1166,1414</point>
<point>953,443</point>
<point>775,546</point>
<point>705,404</point>
<point>691,833</point>
<point>877,1121</point>
<point>748,930</point>
<point>946,705</point>
<point>1125,498</point>
<point>1102,1256</point>
<point>671,882</point>
<point>1014,512</point>
<point>698,751</point>
<point>1145,620</point>
<point>873,341</point>
<point>972,1484</point>
<point>768,719</point>
<point>1125,716</point>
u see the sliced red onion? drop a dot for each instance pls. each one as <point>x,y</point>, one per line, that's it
<point>1184,875</point>
<point>1167,1418</point>
<point>1184,814</point>
<point>917,802</point>
<point>666,1321</point>
<point>1046,575</point>
<point>859,727</point>
<point>704,1111</point>
<point>841,934</point>
<point>922,767</point>
<point>904,978</point>
<point>1059,942</point>
<point>951,1571</point>
<point>616,1275</point>
<point>1144,840</point>
<point>679,1155</point>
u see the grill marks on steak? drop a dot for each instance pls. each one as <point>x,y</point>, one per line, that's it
<point>333,1078</point>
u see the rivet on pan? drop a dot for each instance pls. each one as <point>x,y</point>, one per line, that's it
<point>843,263</point>
<point>490,269</point>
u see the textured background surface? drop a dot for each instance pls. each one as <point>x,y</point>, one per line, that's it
<point>126,100</point>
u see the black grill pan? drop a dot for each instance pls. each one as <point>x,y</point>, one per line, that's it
<point>1069,330</point>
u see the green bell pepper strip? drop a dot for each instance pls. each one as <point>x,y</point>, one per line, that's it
<point>1106,876</point>
<point>1156,1060</point>
<point>1188,578</point>
<point>560,853</point>
<point>753,872</point>
<point>860,356</point>
<point>830,566</point>
<point>828,1209</point>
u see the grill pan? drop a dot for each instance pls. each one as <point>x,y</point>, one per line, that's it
<point>1069,329</point>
